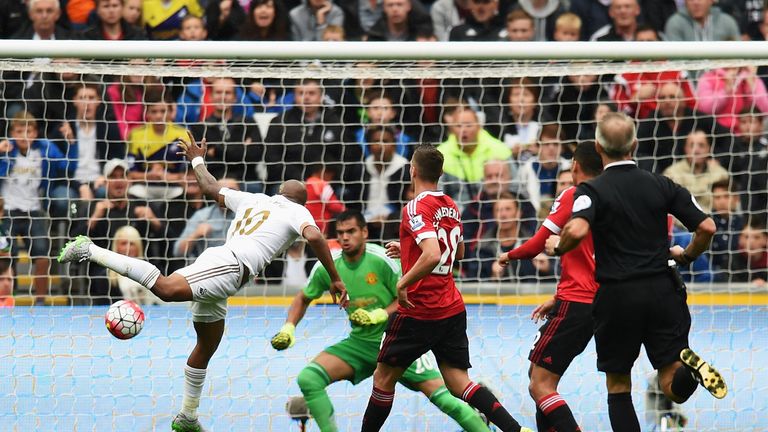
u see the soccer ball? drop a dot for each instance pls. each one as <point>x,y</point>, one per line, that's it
<point>124,319</point>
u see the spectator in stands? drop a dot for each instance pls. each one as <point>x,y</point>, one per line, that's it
<point>42,25</point>
<point>267,20</point>
<point>193,29</point>
<point>128,241</point>
<point>699,170</point>
<point>400,22</point>
<point>386,179</point>
<point>520,26</point>
<point>309,19</point>
<point>322,202</point>
<point>307,134</point>
<point>207,227</point>
<point>729,222</point>
<point>751,263</point>
<point>91,140</point>
<point>635,92</point>
<point>573,102</point>
<point>725,92</point>
<point>484,23</point>
<point>48,96</point>
<point>701,21</point>
<point>601,108</point>
<point>333,33</point>
<point>13,18</point>
<point>753,178</point>
<point>223,19</point>
<point>109,24</point>
<point>6,283</point>
<point>564,181</point>
<point>545,15</point>
<point>593,15</point>
<point>466,151</point>
<point>477,216</point>
<point>162,20</point>
<point>157,168</point>
<point>132,12</point>
<point>657,12</point>
<point>126,99</point>
<point>521,122</point>
<point>28,166</point>
<point>447,14</point>
<point>380,111</point>
<point>479,262</point>
<point>567,27</point>
<point>6,241</point>
<point>624,15</point>
<point>661,136</point>
<point>539,174</point>
<point>235,145</point>
<point>196,102</point>
<point>701,269</point>
<point>268,96</point>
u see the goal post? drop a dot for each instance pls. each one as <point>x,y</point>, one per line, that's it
<point>345,117</point>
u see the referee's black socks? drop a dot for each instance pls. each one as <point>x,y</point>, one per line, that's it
<point>622,413</point>
<point>683,383</point>
<point>482,399</point>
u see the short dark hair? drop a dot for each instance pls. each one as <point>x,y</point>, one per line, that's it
<point>352,214</point>
<point>156,94</point>
<point>722,184</point>
<point>5,264</point>
<point>646,28</point>
<point>428,161</point>
<point>588,158</point>
<point>370,130</point>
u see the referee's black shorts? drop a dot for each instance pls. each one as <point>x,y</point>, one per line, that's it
<point>651,311</point>
<point>566,333</point>
<point>407,339</point>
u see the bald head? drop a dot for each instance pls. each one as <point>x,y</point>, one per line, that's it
<point>295,191</point>
<point>615,134</point>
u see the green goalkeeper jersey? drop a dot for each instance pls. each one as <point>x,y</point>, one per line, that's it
<point>371,284</point>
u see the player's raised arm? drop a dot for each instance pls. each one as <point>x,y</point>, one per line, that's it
<point>195,153</point>
<point>318,244</point>
<point>285,337</point>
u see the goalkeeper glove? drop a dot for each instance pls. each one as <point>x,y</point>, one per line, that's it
<point>364,317</point>
<point>284,338</point>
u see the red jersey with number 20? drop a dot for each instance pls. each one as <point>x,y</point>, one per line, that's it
<point>577,283</point>
<point>432,215</point>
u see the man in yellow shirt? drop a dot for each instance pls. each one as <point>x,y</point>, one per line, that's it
<point>162,18</point>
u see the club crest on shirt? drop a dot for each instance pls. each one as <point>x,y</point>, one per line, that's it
<point>371,278</point>
<point>416,222</point>
<point>582,203</point>
<point>555,206</point>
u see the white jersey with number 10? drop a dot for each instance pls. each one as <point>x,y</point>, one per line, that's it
<point>264,226</point>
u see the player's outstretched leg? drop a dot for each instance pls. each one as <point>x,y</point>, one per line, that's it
<point>383,394</point>
<point>173,288</point>
<point>208,338</point>
<point>313,380</point>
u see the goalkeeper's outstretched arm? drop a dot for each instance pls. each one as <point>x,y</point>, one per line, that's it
<point>285,338</point>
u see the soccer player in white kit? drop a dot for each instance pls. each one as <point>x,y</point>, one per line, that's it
<point>264,226</point>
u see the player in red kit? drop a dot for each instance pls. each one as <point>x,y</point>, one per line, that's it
<point>431,313</point>
<point>568,328</point>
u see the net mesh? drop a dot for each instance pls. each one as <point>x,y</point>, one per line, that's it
<point>348,129</point>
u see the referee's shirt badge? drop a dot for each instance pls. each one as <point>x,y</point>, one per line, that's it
<point>582,203</point>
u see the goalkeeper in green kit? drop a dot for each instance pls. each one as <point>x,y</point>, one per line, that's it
<point>371,278</point>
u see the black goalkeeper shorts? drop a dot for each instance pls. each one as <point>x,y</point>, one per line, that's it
<point>407,339</point>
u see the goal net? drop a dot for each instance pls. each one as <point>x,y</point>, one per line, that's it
<point>89,149</point>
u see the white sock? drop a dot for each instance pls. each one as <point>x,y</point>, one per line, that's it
<point>193,388</point>
<point>135,269</point>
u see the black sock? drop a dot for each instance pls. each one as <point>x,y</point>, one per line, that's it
<point>379,406</point>
<point>542,424</point>
<point>482,399</point>
<point>558,413</point>
<point>683,383</point>
<point>622,413</point>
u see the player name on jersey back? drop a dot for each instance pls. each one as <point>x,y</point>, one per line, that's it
<point>432,215</point>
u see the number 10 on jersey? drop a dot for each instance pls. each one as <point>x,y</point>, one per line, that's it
<point>449,242</point>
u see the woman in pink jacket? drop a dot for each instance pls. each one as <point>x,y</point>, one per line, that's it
<point>725,92</point>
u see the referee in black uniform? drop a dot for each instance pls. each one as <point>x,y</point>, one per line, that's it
<point>641,299</point>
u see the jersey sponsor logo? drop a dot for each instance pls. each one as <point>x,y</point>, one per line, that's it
<point>371,278</point>
<point>416,222</point>
<point>361,302</point>
<point>582,203</point>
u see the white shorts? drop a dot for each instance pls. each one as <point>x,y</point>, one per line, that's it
<point>215,276</point>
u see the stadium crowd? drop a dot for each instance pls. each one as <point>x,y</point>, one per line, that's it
<point>87,154</point>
